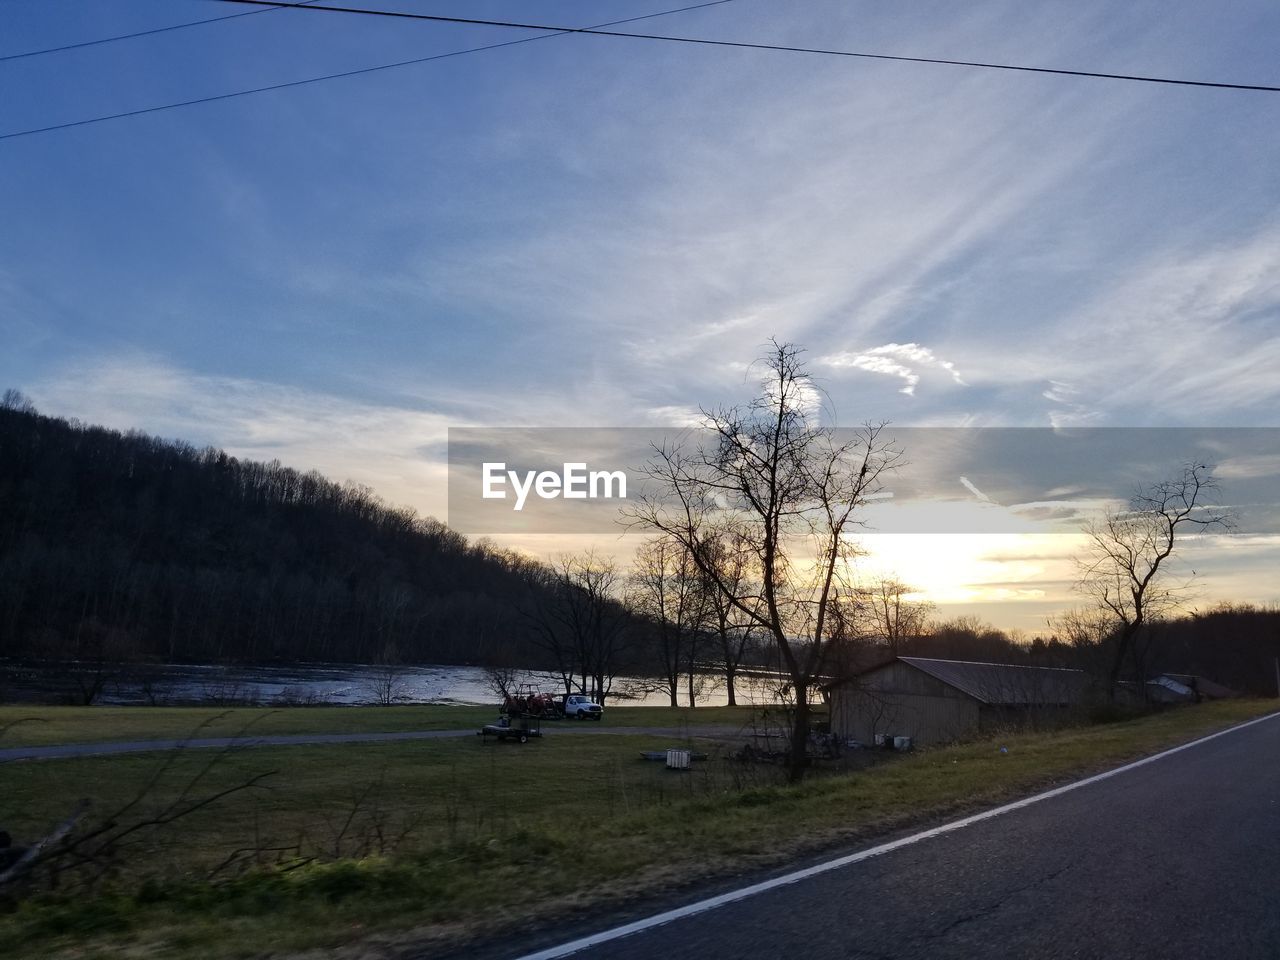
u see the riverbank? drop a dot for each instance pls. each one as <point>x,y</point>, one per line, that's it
<point>384,846</point>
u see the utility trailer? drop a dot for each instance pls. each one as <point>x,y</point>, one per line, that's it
<point>520,716</point>
<point>519,728</point>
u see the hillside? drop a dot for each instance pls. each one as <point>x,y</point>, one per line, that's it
<point>129,546</point>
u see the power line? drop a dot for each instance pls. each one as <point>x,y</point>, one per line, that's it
<point>334,76</point>
<point>140,33</point>
<point>596,31</point>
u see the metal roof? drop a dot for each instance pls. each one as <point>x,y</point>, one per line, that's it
<point>1171,685</point>
<point>1205,688</point>
<point>1006,684</point>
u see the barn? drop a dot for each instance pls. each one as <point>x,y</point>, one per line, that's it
<point>937,701</point>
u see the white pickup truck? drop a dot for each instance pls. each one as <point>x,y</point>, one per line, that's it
<point>580,707</point>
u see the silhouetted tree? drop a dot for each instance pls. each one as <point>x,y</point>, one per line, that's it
<point>785,485</point>
<point>892,614</point>
<point>670,590</point>
<point>1125,571</point>
<point>734,630</point>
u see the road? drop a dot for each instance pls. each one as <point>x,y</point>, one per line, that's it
<point>1177,858</point>
<point>111,748</point>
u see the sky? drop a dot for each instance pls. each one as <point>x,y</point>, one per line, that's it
<point>591,231</point>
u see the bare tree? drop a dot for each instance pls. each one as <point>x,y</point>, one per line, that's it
<point>891,615</point>
<point>595,618</point>
<point>784,484</point>
<point>579,621</point>
<point>672,593</point>
<point>1085,631</point>
<point>1125,572</point>
<point>540,606</point>
<point>734,630</point>
<point>386,680</point>
<point>17,401</point>
<point>500,675</point>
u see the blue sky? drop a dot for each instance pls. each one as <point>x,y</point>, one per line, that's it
<point>586,231</point>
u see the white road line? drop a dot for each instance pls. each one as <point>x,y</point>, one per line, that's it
<point>711,903</point>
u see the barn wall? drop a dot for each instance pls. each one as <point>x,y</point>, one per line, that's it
<point>898,677</point>
<point>901,701</point>
<point>994,719</point>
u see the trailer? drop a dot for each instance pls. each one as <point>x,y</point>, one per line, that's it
<point>520,728</point>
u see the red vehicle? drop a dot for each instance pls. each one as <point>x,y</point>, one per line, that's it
<point>527,701</point>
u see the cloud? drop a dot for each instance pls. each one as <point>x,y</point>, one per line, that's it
<point>1063,514</point>
<point>801,395</point>
<point>1248,467</point>
<point>1068,412</point>
<point>1186,335</point>
<point>893,359</point>
<point>968,485</point>
<point>676,416</point>
<point>389,448</point>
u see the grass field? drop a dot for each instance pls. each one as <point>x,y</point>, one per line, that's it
<point>557,826</point>
<point>42,725</point>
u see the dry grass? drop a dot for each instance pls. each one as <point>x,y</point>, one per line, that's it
<point>571,822</point>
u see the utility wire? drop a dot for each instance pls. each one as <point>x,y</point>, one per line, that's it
<point>597,31</point>
<point>335,76</point>
<point>140,33</point>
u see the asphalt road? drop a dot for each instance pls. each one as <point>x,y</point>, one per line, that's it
<point>110,748</point>
<point>1179,858</point>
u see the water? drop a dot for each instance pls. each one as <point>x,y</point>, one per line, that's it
<point>319,683</point>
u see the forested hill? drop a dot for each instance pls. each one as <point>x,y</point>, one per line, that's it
<point>128,546</point>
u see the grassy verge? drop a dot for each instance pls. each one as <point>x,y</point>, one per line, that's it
<point>501,834</point>
<point>45,725</point>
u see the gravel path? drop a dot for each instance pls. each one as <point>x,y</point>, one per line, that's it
<point>66,750</point>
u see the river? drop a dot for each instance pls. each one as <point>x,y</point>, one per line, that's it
<point>316,683</point>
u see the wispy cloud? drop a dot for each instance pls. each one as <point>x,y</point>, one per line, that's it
<point>676,416</point>
<point>969,485</point>
<point>1189,335</point>
<point>1068,408</point>
<point>1249,467</point>
<point>901,360</point>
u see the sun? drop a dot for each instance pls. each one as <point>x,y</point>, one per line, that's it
<point>960,568</point>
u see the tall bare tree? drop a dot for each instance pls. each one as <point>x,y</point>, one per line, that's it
<point>891,614</point>
<point>1125,572</point>
<point>670,591</point>
<point>580,621</point>
<point>790,489</point>
<point>734,630</point>
<point>1085,631</point>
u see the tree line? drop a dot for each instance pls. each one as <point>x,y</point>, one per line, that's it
<point>127,546</point>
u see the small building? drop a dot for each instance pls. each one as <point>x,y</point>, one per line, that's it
<point>1185,688</point>
<point>937,701</point>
